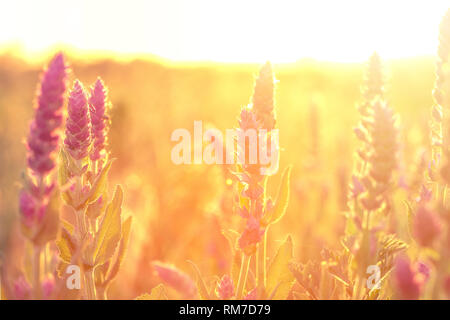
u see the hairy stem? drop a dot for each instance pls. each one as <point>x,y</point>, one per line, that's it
<point>245,265</point>
<point>90,285</point>
<point>37,272</point>
<point>261,262</point>
<point>81,221</point>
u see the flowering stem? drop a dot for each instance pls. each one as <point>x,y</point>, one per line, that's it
<point>37,272</point>
<point>90,286</point>
<point>88,274</point>
<point>245,264</point>
<point>81,224</point>
<point>261,262</point>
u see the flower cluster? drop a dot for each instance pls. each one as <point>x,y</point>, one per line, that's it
<point>42,144</point>
<point>98,241</point>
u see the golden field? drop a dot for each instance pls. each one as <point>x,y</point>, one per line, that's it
<point>180,211</point>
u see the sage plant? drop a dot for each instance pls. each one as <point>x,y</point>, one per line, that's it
<point>99,240</point>
<point>39,198</point>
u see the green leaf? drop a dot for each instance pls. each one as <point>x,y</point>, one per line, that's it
<point>202,289</point>
<point>65,243</point>
<point>67,225</point>
<point>100,275</point>
<point>95,209</point>
<point>50,223</point>
<point>232,236</point>
<point>99,186</point>
<point>109,233</point>
<point>64,176</point>
<point>157,293</point>
<point>63,168</point>
<point>126,228</point>
<point>244,202</point>
<point>279,274</point>
<point>282,200</point>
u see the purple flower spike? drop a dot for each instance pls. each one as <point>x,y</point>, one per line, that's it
<point>78,127</point>
<point>97,109</point>
<point>43,138</point>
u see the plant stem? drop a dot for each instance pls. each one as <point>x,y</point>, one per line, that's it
<point>261,262</point>
<point>100,292</point>
<point>37,272</point>
<point>357,288</point>
<point>245,264</point>
<point>89,282</point>
<point>265,257</point>
<point>81,224</point>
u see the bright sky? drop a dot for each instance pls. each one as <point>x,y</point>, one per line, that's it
<point>228,30</point>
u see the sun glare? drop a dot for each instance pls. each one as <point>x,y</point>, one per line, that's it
<point>228,31</point>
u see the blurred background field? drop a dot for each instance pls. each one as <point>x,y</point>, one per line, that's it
<point>179,211</point>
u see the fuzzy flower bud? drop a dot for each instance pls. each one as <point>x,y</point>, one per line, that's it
<point>356,187</point>
<point>263,97</point>
<point>78,131</point>
<point>175,278</point>
<point>43,138</point>
<point>248,143</point>
<point>251,236</point>
<point>408,281</point>
<point>374,79</point>
<point>97,109</point>
<point>225,288</point>
<point>248,120</point>
<point>444,36</point>
<point>29,208</point>
<point>383,142</point>
<point>426,226</point>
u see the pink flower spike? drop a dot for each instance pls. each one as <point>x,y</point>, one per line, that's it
<point>248,120</point>
<point>97,109</point>
<point>426,226</point>
<point>251,235</point>
<point>408,281</point>
<point>78,130</point>
<point>447,286</point>
<point>225,288</point>
<point>175,278</point>
<point>28,207</point>
<point>263,97</point>
<point>22,288</point>
<point>43,138</point>
<point>48,285</point>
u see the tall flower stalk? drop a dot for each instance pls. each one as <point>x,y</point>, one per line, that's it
<point>372,180</point>
<point>440,121</point>
<point>101,237</point>
<point>254,206</point>
<point>38,200</point>
<point>437,234</point>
